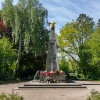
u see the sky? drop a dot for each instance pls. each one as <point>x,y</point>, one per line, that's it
<point>63,11</point>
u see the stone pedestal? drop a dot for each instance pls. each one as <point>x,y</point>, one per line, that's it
<point>54,76</point>
<point>52,61</point>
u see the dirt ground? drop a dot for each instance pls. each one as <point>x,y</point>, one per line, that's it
<point>52,93</point>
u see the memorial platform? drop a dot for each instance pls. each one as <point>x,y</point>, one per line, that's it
<point>38,84</point>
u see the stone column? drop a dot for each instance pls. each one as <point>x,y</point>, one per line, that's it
<point>52,61</point>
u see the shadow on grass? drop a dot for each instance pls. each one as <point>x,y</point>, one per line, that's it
<point>2,82</point>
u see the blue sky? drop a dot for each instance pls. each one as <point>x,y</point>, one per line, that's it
<point>63,11</point>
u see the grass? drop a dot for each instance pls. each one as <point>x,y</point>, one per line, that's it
<point>12,81</point>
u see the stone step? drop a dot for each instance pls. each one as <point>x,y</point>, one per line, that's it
<point>49,86</point>
<point>70,84</point>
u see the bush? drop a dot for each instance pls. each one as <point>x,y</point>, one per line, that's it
<point>95,95</point>
<point>16,96</point>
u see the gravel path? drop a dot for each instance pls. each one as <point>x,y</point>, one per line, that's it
<point>52,93</point>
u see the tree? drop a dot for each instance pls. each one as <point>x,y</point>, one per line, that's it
<point>63,64</point>
<point>7,58</point>
<point>94,44</point>
<point>2,26</point>
<point>27,19</point>
<point>73,37</point>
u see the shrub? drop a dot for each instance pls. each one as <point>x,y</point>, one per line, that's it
<point>95,95</point>
<point>16,96</point>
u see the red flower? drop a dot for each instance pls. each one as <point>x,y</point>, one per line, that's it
<point>41,72</point>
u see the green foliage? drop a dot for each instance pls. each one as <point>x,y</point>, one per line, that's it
<point>95,95</point>
<point>65,65</point>
<point>73,66</point>
<point>78,39</point>
<point>70,66</point>
<point>73,40</point>
<point>94,44</point>
<point>4,96</point>
<point>7,58</point>
<point>28,20</point>
<point>95,47</point>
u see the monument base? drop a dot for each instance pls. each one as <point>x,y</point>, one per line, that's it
<point>54,77</point>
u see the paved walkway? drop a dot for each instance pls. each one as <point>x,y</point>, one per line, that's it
<point>53,93</point>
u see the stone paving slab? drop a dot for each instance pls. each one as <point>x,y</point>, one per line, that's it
<point>52,93</point>
<point>37,84</point>
<point>89,82</point>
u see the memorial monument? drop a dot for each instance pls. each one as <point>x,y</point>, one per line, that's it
<point>52,67</point>
<point>52,61</point>
<point>56,78</point>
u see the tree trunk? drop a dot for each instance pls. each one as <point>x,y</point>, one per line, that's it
<point>15,72</point>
